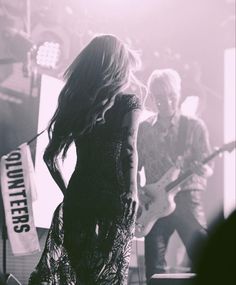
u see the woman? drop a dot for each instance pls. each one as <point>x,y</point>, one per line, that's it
<point>90,237</point>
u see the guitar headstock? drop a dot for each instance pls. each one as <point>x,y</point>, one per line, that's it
<point>228,146</point>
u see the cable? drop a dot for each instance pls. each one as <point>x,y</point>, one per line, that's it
<point>35,137</point>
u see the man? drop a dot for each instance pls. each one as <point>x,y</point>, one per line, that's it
<point>165,140</point>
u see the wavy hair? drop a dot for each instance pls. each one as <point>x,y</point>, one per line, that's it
<point>103,69</point>
<point>166,78</point>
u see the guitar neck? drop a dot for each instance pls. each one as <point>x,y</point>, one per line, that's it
<point>189,172</point>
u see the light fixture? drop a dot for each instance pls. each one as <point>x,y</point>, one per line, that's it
<point>51,48</point>
<point>48,54</point>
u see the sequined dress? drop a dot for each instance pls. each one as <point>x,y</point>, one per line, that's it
<point>89,241</point>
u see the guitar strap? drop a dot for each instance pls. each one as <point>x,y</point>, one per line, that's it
<point>182,135</point>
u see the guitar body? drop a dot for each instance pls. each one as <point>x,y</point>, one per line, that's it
<point>162,194</point>
<point>162,203</point>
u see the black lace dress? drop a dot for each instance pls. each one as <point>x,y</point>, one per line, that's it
<point>89,241</point>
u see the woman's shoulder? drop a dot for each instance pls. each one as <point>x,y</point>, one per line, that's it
<point>129,101</point>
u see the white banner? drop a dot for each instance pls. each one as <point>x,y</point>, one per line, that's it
<point>18,192</point>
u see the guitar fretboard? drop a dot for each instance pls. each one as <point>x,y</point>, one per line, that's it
<point>189,172</point>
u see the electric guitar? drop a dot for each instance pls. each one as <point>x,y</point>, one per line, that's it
<point>162,194</point>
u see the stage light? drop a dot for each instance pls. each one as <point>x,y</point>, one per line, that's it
<point>48,54</point>
<point>51,49</point>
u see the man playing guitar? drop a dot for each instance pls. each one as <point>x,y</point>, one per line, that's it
<point>170,139</point>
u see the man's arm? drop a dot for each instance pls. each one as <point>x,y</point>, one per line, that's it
<point>201,149</point>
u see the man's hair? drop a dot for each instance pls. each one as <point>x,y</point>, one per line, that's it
<point>168,78</point>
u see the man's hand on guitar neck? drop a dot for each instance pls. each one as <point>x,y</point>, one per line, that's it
<point>196,166</point>
<point>201,169</point>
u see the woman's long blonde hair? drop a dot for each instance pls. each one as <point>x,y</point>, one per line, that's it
<point>103,69</point>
